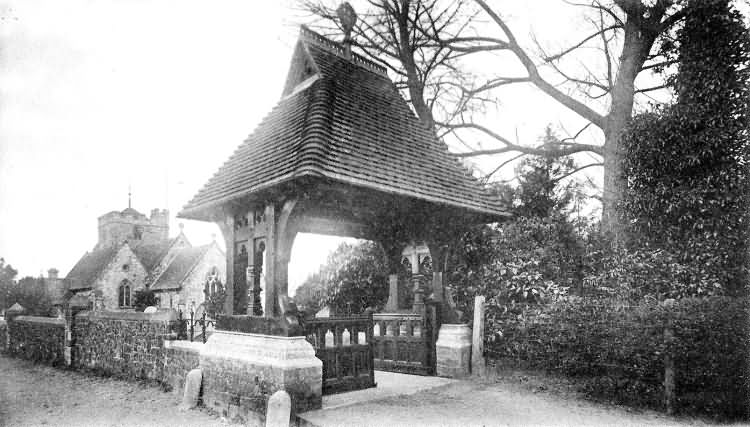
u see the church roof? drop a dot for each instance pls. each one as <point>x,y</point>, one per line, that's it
<point>151,254</point>
<point>88,268</point>
<point>91,265</point>
<point>344,120</point>
<point>179,268</point>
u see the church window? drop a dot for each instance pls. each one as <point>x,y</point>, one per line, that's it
<point>123,294</point>
<point>125,267</point>
<point>212,282</point>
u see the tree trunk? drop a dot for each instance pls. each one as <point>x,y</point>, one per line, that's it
<point>406,52</point>
<point>635,49</point>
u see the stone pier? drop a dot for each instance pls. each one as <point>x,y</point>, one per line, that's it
<point>242,370</point>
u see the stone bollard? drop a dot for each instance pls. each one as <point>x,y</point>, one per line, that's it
<point>453,350</point>
<point>279,410</point>
<point>192,389</point>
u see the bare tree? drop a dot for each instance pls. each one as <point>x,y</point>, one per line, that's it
<point>426,44</point>
<point>401,34</point>
<point>638,24</point>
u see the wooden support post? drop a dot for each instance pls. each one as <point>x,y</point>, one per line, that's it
<point>417,279</point>
<point>270,274</point>
<point>393,251</point>
<point>226,225</point>
<point>392,304</point>
<point>250,280</point>
<point>250,277</point>
<point>477,342</point>
<point>284,255</point>
<point>438,252</point>
<point>437,286</point>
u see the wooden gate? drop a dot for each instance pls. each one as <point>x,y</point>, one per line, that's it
<point>405,342</point>
<point>344,345</point>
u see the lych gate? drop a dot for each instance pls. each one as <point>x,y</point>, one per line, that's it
<point>340,154</point>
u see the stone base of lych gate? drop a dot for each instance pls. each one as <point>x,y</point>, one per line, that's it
<point>241,371</point>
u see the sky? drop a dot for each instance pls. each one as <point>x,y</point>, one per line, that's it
<point>97,97</point>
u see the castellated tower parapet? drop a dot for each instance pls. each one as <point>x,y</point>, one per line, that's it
<point>132,226</point>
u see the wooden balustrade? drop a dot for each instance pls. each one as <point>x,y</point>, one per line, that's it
<point>345,346</point>
<point>404,342</point>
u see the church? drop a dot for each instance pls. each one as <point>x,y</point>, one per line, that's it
<point>135,252</point>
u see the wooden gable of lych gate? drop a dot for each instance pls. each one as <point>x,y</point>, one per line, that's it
<point>341,153</point>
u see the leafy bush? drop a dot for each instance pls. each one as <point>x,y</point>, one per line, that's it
<point>529,260</point>
<point>617,351</point>
<point>143,298</point>
<point>658,273</point>
<point>353,278</point>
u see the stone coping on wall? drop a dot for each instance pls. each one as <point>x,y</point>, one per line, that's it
<point>184,345</point>
<point>40,319</point>
<point>159,316</point>
<point>271,350</point>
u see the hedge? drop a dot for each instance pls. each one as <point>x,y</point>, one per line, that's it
<point>617,351</point>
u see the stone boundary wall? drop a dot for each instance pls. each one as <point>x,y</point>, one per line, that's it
<point>3,336</point>
<point>40,339</point>
<point>126,345</point>
<point>179,358</point>
<point>240,371</point>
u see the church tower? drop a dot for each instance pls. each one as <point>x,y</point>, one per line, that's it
<point>132,226</point>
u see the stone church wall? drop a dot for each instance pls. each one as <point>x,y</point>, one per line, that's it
<point>109,281</point>
<point>194,284</point>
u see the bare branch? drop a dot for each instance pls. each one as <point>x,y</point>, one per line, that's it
<point>580,108</point>
<point>576,170</point>
<point>601,32</point>
<point>546,149</point>
<point>652,88</point>
<point>487,177</point>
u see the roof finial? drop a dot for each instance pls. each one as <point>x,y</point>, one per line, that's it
<point>128,195</point>
<point>348,18</point>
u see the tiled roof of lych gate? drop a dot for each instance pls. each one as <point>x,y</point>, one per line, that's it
<point>88,268</point>
<point>350,125</point>
<point>180,266</point>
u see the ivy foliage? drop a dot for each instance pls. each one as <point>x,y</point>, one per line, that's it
<point>687,165</point>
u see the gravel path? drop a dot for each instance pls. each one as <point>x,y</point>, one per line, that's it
<point>497,402</point>
<point>36,395</point>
